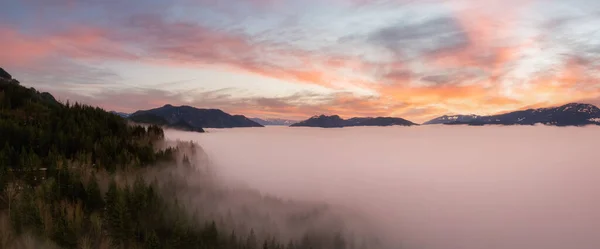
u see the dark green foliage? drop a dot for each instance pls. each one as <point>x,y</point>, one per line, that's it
<point>40,130</point>
<point>94,197</point>
<point>49,156</point>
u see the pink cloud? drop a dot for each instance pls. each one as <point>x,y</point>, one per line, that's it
<point>185,44</point>
<point>21,49</point>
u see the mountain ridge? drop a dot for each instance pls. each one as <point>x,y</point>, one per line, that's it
<point>274,121</point>
<point>335,121</point>
<point>122,114</point>
<point>571,114</point>
<point>452,118</point>
<point>192,117</point>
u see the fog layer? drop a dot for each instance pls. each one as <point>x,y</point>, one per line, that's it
<point>430,187</point>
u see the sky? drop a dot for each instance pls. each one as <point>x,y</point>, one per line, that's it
<point>416,59</point>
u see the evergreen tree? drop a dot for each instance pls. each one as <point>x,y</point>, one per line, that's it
<point>251,242</point>
<point>338,242</point>
<point>70,140</point>
<point>152,241</point>
<point>95,200</point>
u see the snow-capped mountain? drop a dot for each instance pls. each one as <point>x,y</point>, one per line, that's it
<point>452,118</point>
<point>573,114</point>
<point>122,114</point>
<point>273,121</point>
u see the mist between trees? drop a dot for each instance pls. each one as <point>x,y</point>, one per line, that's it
<point>75,176</point>
<point>178,204</point>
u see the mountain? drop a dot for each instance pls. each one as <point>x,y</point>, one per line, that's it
<point>149,118</point>
<point>573,114</point>
<point>55,156</point>
<point>185,126</point>
<point>451,119</point>
<point>5,75</point>
<point>193,117</point>
<point>273,121</point>
<point>122,114</point>
<point>21,94</point>
<point>336,121</point>
<point>322,121</point>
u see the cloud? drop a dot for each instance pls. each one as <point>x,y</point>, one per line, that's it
<point>192,44</point>
<point>19,50</point>
<point>152,39</point>
<point>429,187</point>
<point>299,105</point>
<point>414,39</point>
<point>77,43</point>
<point>440,56</point>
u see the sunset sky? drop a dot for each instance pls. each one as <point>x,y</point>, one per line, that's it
<point>293,59</point>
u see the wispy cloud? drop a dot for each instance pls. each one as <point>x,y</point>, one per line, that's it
<point>404,58</point>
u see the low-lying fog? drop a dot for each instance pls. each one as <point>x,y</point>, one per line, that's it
<point>431,187</point>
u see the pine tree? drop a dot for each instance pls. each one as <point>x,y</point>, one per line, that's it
<point>95,200</point>
<point>152,241</point>
<point>211,235</point>
<point>186,161</point>
<point>233,240</point>
<point>339,242</point>
<point>111,217</point>
<point>251,240</point>
<point>120,222</point>
<point>290,245</point>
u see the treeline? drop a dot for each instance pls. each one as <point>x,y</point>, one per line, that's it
<point>36,130</point>
<point>57,182</point>
<point>74,214</point>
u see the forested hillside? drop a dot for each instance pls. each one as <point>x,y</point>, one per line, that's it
<point>58,163</point>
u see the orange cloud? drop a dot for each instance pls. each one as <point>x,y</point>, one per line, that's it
<point>572,82</point>
<point>489,48</point>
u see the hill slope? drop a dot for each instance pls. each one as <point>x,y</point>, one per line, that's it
<point>149,118</point>
<point>195,117</point>
<point>336,121</point>
<point>64,172</point>
<point>50,153</point>
<point>573,114</point>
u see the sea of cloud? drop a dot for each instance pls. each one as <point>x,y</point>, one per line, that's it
<point>429,187</point>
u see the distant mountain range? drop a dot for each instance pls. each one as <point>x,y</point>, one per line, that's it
<point>149,118</point>
<point>336,121</point>
<point>191,118</point>
<point>122,114</point>
<point>274,121</point>
<point>573,114</point>
<point>451,119</point>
